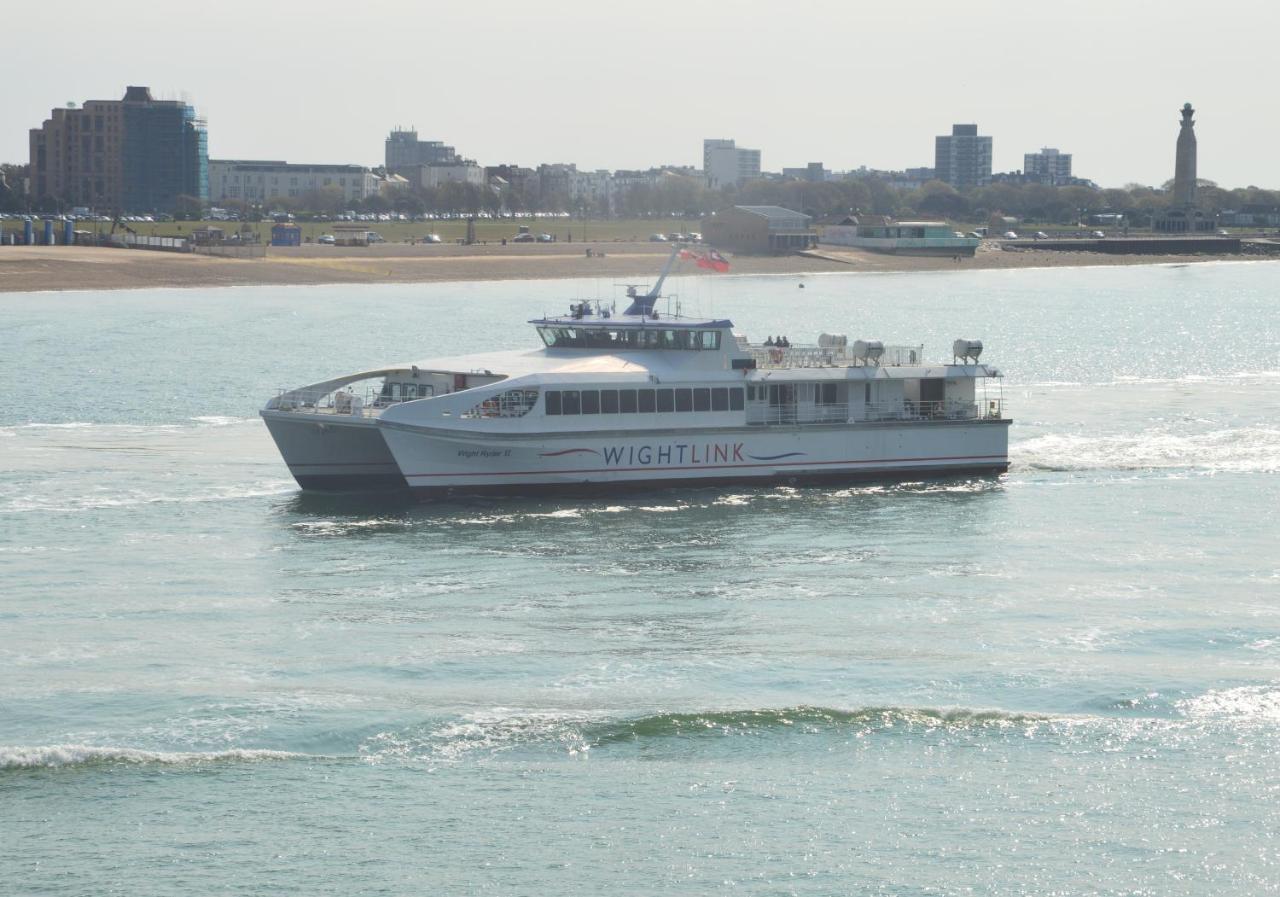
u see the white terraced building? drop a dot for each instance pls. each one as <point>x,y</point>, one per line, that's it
<point>265,180</point>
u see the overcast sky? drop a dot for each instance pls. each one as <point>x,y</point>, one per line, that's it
<point>614,85</point>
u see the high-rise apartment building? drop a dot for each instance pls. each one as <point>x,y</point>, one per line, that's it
<point>1049,165</point>
<point>725,163</point>
<point>404,151</point>
<point>962,158</point>
<point>136,154</point>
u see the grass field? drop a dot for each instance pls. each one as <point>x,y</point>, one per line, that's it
<point>404,231</point>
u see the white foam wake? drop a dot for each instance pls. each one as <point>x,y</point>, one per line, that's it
<point>60,755</point>
<point>1247,449</point>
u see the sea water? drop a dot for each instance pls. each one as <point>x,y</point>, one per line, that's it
<point>1065,680</point>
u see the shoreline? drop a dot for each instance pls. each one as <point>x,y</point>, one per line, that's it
<point>43,269</point>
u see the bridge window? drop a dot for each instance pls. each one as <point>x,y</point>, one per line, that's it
<point>629,338</point>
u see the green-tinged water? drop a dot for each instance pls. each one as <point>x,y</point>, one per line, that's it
<point>1061,681</point>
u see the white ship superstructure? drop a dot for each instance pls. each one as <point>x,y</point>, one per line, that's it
<point>643,399</point>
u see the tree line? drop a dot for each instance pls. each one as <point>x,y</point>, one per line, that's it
<point>690,197</point>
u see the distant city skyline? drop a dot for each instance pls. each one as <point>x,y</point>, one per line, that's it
<point>574,82</point>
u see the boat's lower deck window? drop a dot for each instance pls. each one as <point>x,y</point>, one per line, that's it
<point>511,403</point>
<point>404,392</point>
<point>643,401</point>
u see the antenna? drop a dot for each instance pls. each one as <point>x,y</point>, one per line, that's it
<point>643,305</point>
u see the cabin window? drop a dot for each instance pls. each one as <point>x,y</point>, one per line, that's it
<point>666,400</point>
<point>720,399</point>
<point>782,394</point>
<point>702,399</point>
<point>553,402</point>
<point>684,399</point>
<point>627,401</point>
<point>608,401</point>
<point>735,398</point>
<point>868,393</point>
<point>646,400</point>
<point>710,339</point>
<point>826,394</point>
<point>570,402</point>
<point>590,401</point>
<point>510,403</point>
<point>933,389</point>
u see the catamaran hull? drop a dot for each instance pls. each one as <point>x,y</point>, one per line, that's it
<point>332,453</point>
<point>437,463</point>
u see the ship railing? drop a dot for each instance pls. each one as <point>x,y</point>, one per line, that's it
<point>781,357</point>
<point>946,409</point>
<point>805,413</point>
<point>767,415</point>
<point>343,402</point>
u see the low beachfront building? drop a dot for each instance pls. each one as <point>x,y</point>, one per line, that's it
<point>759,229</point>
<point>900,237</point>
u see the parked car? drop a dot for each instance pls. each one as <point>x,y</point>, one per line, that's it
<point>975,235</point>
<point>657,238</point>
<point>432,238</point>
<point>1041,235</point>
<point>523,238</point>
<point>1098,235</point>
<point>545,238</point>
<point>1010,235</point>
<point>375,237</point>
<point>327,239</point>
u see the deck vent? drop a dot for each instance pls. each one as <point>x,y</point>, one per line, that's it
<point>868,351</point>
<point>967,349</point>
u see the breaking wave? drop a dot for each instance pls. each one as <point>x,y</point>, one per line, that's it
<point>501,729</point>
<point>1244,450</point>
<point>809,719</point>
<point>64,755</point>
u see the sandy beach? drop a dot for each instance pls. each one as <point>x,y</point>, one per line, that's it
<point>36,268</point>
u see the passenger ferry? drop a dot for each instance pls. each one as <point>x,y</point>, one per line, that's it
<point>642,399</point>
